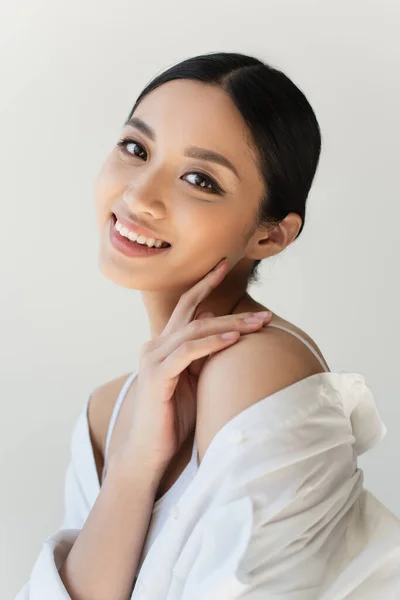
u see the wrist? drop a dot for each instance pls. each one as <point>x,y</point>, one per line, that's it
<point>134,472</point>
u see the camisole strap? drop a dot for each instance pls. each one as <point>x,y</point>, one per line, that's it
<point>307,343</point>
<point>115,412</point>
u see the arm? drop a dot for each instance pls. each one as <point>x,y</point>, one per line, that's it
<point>82,495</point>
<point>103,560</point>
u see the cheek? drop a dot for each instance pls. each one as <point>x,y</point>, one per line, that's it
<point>106,180</point>
<point>214,231</point>
<point>108,186</point>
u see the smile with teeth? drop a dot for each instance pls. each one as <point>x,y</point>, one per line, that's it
<point>139,239</point>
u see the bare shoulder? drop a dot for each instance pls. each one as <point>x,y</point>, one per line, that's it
<point>256,366</point>
<point>290,333</point>
<point>100,408</point>
<point>286,335</point>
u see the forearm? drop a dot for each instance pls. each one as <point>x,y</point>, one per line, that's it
<point>103,561</point>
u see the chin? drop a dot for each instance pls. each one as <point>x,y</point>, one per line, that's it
<point>131,278</point>
<point>117,276</point>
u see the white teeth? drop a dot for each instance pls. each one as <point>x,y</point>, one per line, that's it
<point>141,239</point>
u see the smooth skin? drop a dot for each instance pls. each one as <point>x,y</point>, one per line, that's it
<point>164,412</point>
<point>168,193</point>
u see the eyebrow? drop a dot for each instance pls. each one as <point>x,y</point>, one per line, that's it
<point>191,151</point>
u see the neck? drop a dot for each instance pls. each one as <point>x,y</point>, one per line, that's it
<point>223,300</point>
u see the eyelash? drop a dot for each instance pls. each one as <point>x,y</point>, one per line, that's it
<point>216,189</point>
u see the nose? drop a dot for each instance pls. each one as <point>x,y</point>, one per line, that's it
<point>144,195</point>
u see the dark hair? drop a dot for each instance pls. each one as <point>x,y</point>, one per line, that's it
<point>281,122</point>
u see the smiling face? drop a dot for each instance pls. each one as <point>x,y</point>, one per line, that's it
<point>204,209</point>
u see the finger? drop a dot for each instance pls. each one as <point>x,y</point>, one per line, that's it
<point>188,302</point>
<point>205,315</point>
<point>192,350</point>
<point>203,328</point>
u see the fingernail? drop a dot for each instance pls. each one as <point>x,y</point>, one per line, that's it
<point>263,313</point>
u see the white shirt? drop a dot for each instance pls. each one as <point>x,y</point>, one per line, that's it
<point>276,509</point>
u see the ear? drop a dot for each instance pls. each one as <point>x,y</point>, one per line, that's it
<point>267,241</point>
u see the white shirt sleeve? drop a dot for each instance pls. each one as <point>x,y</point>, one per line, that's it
<point>80,489</point>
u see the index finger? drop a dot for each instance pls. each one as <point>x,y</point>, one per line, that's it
<point>188,302</point>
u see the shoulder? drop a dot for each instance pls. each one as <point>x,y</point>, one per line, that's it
<point>256,366</point>
<point>100,407</point>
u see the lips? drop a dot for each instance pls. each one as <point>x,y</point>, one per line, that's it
<point>113,222</point>
<point>131,226</point>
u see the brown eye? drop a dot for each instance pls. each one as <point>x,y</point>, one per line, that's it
<point>122,145</point>
<point>206,182</point>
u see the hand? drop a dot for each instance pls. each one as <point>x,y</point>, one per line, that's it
<point>164,410</point>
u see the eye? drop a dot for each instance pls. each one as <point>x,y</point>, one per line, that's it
<point>210,185</point>
<point>122,144</point>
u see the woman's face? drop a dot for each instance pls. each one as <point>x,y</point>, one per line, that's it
<point>202,208</point>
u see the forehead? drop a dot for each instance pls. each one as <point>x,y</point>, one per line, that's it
<point>187,111</point>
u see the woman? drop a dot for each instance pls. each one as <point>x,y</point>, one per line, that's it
<point>224,467</point>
